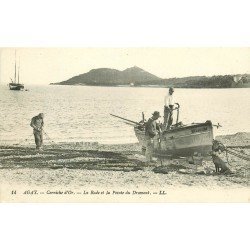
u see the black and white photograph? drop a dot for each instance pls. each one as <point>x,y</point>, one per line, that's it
<point>125,124</point>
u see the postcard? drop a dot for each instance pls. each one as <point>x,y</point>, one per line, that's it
<point>124,125</point>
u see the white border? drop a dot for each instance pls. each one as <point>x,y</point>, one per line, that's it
<point>124,24</point>
<point>130,23</point>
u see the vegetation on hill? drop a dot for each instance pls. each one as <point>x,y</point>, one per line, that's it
<point>136,76</point>
<point>111,77</point>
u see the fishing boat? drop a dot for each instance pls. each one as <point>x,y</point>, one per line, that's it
<point>180,140</point>
<point>184,140</point>
<point>15,84</point>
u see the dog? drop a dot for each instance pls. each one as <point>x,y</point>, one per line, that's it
<point>220,165</point>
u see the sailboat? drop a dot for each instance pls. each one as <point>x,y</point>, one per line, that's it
<point>16,85</point>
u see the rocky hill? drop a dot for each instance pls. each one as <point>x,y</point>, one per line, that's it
<point>110,77</point>
<point>140,77</point>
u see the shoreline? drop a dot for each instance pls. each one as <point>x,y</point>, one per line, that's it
<point>149,86</point>
<point>118,165</point>
<point>239,139</point>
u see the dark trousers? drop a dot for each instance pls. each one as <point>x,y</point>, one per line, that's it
<point>149,149</point>
<point>168,117</point>
<point>38,139</point>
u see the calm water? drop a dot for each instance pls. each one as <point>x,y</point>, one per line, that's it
<point>80,113</point>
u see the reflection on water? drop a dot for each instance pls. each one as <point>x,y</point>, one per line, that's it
<point>81,113</point>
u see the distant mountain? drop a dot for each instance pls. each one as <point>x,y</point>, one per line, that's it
<point>111,77</point>
<point>140,77</point>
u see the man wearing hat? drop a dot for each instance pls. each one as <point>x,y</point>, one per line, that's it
<point>151,130</point>
<point>37,125</point>
<point>168,109</point>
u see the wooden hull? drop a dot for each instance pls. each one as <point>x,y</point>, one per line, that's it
<point>182,141</point>
<point>16,86</point>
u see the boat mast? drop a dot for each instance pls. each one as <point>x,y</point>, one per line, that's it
<point>15,66</point>
<point>18,70</point>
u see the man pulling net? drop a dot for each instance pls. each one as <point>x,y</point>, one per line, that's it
<point>37,125</point>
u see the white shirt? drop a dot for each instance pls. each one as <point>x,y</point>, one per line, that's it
<point>169,100</point>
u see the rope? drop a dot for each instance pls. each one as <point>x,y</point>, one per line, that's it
<point>238,154</point>
<point>48,138</point>
<point>243,153</point>
<point>227,158</point>
<point>23,140</point>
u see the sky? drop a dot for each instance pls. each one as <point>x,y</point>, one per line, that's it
<point>49,65</point>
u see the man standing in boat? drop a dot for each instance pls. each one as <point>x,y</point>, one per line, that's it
<point>168,109</point>
<point>151,130</point>
<point>37,125</point>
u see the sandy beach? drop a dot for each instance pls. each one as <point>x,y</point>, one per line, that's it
<point>92,164</point>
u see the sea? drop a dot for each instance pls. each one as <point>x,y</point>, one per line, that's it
<point>82,113</point>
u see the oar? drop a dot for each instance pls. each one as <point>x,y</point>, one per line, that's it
<point>125,119</point>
